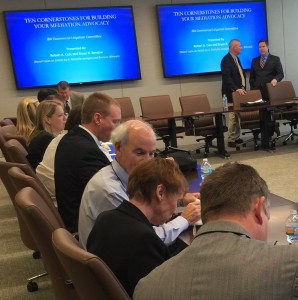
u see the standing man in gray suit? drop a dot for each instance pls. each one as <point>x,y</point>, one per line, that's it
<point>69,97</point>
<point>229,257</point>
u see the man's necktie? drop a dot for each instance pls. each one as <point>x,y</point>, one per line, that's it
<point>241,73</point>
<point>262,62</point>
<point>66,107</point>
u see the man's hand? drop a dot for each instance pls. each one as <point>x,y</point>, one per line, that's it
<point>274,82</point>
<point>241,91</point>
<point>192,212</point>
<point>190,197</point>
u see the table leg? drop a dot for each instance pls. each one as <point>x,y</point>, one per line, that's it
<point>221,150</point>
<point>172,128</point>
<point>265,122</point>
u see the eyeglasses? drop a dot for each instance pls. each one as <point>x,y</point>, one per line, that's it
<point>266,209</point>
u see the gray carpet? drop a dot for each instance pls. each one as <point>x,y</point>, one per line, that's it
<point>278,168</point>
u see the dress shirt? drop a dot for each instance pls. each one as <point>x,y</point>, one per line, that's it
<point>264,57</point>
<point>67,107</point>
<point>106,190</point>
<point>69,102</point>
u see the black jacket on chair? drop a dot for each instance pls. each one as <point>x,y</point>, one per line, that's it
<point>77,159</point>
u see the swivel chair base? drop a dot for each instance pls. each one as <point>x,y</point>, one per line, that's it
<point>293,124</point>
<point>168,148</point>
<point>255,139</point>
<point>32,286</point>
<point>208,144</point>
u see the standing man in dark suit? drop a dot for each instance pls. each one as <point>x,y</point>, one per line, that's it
<point>233,79</point>
<point>79,154</point>
<point>69,97</point>
<point>264,69</point>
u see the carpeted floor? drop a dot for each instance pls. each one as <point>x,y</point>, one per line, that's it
<point>278,168</point>
<point>16,261</point>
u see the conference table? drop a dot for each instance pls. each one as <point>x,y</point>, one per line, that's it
<point>265,111</point>
<point>173,116</point>
<point>279,211</point>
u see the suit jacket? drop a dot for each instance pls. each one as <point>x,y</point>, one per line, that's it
<point>224,262</point>
<point>231,78</point>
<point>126,241</point>
<point>76,98</point>
<point>37,148</point>
<point>77,159</point>
<point>260,76</point>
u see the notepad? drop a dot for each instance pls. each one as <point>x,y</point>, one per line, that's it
<point>253,103</point>
<point>257,101</point>
<point>293,101</point>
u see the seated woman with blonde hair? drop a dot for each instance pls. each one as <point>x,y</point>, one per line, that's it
<point>26,113</point>
<point>50,121</point>
<point>45,169</point>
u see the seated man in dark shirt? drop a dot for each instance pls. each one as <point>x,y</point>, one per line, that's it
<point>124,237</point>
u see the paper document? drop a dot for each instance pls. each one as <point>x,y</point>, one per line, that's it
<point>257,101</point>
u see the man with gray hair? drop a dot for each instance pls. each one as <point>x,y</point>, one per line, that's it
<point>134,141</point>
<point>229,257</point>
<point>233,80</point>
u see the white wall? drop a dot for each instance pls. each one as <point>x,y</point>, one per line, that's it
<point>282,23</point>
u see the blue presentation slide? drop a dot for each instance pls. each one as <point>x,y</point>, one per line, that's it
<point>194,38</point>
<point>76,45</point>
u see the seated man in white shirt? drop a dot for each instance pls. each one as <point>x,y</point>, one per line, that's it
<point>134,141</point>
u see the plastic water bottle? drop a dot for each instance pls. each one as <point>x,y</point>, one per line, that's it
<point>225,102</point>
<point>292,227</point>
<point>206,168</point>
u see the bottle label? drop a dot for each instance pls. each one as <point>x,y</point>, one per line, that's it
<point>290,230</point>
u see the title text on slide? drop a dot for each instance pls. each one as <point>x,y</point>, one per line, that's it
<point>212,14</point>
<point>71,18</point>
<point>71,21</point>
